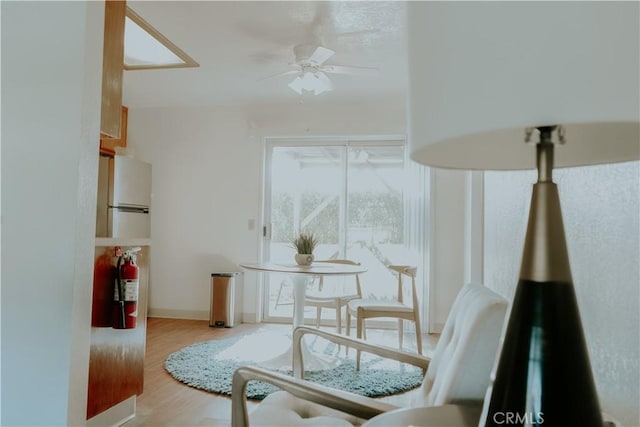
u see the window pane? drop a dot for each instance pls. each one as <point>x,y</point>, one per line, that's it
<point>375,232</point>
<point>306,193</point>
<point>307,185</point>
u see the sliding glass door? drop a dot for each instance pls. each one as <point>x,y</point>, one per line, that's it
<point>357,197</point>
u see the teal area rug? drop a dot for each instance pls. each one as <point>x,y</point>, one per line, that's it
<point>210,366</point>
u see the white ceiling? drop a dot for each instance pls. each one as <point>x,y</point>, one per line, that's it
<point>237,43</point>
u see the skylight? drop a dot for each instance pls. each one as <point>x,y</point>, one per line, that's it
<point>145,48</point>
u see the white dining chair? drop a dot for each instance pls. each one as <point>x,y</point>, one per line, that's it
<point>333,299</point>
<point>363,309</point>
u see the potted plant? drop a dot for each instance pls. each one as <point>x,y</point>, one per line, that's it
<point>304,243</point>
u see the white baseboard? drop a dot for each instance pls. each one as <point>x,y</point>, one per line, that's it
<point>436,328</point>
<point>178,314</point>
<point>116,415</point>
<point>194,315</point>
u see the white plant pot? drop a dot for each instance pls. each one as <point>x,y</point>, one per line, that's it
<point>304,259</point>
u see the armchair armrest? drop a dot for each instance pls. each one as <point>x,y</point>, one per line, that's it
<point>388,352</point>
<point>360,406</point>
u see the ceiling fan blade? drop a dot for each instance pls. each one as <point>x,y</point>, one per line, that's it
<point>320,55</point>
<point>344,69</point>
<point>284,73</point>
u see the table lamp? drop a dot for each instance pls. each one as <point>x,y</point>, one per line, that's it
<point>520,85</point>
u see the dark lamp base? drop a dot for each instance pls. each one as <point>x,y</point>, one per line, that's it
<point>544,376</point>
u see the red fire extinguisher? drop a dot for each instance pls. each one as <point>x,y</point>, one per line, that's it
<point>125,295</point>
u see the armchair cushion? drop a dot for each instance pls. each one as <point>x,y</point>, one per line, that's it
<point>283,409</point>
<point>461,365</point>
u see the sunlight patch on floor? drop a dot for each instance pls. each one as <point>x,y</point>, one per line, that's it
<point>257,347</point>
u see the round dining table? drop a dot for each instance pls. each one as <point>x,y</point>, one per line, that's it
<point>300,276</point>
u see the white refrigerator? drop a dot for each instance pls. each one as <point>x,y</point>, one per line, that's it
<point>124,198</point>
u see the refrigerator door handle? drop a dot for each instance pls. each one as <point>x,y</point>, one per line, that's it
<point>132,209</point>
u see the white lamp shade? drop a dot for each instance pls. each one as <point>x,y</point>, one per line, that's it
<point>482,72</point>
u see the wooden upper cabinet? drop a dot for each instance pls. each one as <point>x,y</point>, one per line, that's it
<point>112,68</point>
<point>108,145</point>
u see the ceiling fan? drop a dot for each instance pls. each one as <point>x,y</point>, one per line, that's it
<point>311,69</point>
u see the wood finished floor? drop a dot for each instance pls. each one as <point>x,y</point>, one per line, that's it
<point>167,402</point>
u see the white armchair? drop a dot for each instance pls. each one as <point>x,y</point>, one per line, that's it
<point>458,372</point>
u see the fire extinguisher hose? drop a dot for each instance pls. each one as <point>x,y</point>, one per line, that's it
<point>122,317</point>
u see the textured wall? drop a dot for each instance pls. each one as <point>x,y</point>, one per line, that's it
<point>601,216</point>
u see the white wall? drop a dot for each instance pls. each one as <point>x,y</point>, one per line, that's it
<point>205,188</point>
<point>51,83</point>
<point>601,215</point>
<point>207,185</point>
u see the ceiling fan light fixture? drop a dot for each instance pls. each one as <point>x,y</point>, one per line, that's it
<point>324,80</point>
<point>296,85</point>
<point>311,81</point>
